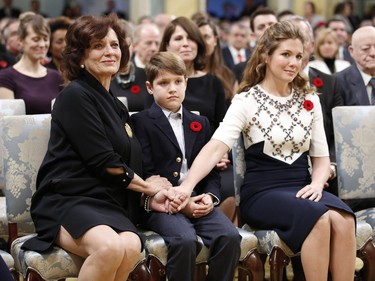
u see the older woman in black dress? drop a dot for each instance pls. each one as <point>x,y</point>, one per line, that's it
<point>88,190</point>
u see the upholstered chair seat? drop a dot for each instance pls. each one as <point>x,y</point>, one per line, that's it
<point>158,255</point>
<point>9,261</point>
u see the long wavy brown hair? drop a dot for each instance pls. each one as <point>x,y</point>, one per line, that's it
<point>255,70</point>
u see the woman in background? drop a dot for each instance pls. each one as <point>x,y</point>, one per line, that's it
<point>326,51</point>
<point>28,79</point>
<point>214,58</point>
<point>59,26</point>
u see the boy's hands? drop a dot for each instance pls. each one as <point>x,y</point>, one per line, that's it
<point>198,206</point>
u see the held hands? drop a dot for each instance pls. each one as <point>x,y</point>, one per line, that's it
<point>156,184</point>
<point>161,201</point>
<point>179,201</point>
<point>311,191</point>
<point>198,206</point>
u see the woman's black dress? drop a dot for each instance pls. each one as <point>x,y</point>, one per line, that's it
<point>90,131</point>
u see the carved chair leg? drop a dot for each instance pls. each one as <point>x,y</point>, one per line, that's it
<point>367,255</point>
<point>156,268</point>
<point>140,272</point>
<point>32,275</point>
<point>200,272</point>
<point>251,266</point>
<point>15,274</point>
<point>278,261</point>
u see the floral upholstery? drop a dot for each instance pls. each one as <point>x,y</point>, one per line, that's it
<point>25,140</point>
<point>354,128</point>
<point>51,265</point>
<point>10,107</point>
<point>7,107</point>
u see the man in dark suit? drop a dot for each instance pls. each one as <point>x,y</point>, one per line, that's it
<point>8,11</point>
<point>236,51</point>
<point>260,20</point>
<point>171,137</point>
<point>355,86</point>
<point>355,80</point>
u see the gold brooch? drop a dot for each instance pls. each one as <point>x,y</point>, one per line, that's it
<point>128,130</point>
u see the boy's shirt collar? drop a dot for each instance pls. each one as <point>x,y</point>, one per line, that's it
<point>168,113</point>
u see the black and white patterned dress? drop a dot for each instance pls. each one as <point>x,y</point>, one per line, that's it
<point>280,133</point>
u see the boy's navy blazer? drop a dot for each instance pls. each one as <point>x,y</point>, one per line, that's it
<point>161,154</point>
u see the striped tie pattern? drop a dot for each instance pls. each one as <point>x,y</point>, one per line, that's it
<point>372,82</point>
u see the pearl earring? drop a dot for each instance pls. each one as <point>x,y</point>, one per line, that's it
<point>82,66</point>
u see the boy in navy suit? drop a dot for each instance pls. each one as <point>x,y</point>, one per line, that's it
<point>171,137</point>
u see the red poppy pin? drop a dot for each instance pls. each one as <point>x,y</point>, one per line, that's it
<point>135,89</point>
<point>195,126</point>
<point>318,82</point>
<point>3,64</point>
<point>308,105</point>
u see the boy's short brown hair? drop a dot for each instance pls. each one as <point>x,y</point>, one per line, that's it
<point>164,62</point>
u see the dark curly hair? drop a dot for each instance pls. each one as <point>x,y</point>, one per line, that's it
<point>79,37</point>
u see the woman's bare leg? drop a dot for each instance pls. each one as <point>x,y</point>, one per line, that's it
<point>316,249</point>
<point>102,248</point>
<point>132,246</point>
<point>343,246</point>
